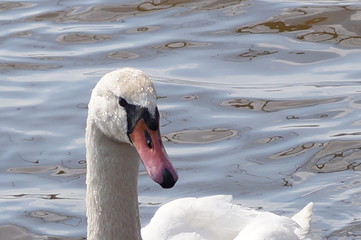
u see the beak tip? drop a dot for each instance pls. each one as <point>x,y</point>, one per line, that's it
<point>169,179</point>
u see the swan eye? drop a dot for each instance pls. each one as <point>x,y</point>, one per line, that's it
<point>122,102</point>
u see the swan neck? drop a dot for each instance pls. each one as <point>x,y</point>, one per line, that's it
<point>112,199</point>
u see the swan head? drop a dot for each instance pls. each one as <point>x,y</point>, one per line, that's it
<point>123,106</point>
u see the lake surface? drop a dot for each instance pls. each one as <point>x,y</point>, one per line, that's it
<point>258,99</point>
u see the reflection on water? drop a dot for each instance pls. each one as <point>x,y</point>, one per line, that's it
<point>56,170</point>
<point>48,196</point>
<point>352,230</point>
<point>258,99</point>
<point>115,12</point>
<point>337,156</point>
<point>200,136</point>
<point>275,105</point>
<point>9,231</point>
<point>82,38</point>
<point>315,24</point>
<point>55,217</point>
<point>294,151</point>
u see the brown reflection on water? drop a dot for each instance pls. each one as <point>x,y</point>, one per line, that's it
<point>26,66</point>
<point>275,105</point>
<point>47,216</point>
<point>32,195</point>
<point>294,151</point>
<point>352,229</point>
<point>337,24</point>
<point>4,6</point>
<point>116,12</point>
<point>82,38</point>
<point>335,156</point>
<point>123,55</point>
<point>100,13</point>
<point>53,170</point>
<point>197,5</point>
<point>200,136</point>
<point>181,44</point>
<point>142,29</point>
<point>252,53</point>
<point>11,231</point>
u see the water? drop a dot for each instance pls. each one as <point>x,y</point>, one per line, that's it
<point>258,99</point>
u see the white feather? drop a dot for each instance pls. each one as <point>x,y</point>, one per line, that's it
<point>216,218</point>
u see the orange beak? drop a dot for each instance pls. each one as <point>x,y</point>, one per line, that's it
<point>153,155</point>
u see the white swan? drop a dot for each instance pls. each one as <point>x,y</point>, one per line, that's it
<point>123,126</point>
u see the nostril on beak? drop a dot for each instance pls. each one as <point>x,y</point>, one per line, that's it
<point>148,139</point>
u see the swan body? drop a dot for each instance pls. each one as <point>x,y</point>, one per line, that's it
<point>123,128</point>
<point>217,218</point>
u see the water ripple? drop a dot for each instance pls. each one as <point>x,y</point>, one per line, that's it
<point>257,99</point>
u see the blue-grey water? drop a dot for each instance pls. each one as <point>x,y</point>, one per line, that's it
<point>258,99</point>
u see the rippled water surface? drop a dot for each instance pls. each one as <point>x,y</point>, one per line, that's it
<point>258,99</point>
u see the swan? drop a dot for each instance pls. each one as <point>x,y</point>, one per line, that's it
<point>123,127</point>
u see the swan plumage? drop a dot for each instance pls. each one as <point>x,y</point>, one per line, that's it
<point>217,217</point>
<point>123,128</point>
